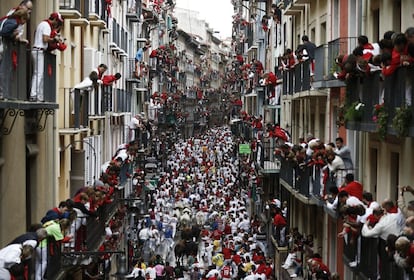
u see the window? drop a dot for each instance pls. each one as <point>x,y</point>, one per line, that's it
<point>323,33</point>
<point>355,26</point>
<point>335,22</point>
<point>312,35</point>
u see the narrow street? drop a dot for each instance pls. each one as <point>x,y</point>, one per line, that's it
<point>201,213</point>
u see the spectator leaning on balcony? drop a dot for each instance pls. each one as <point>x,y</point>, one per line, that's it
<point>352,187</point>
<point>336,166</point>
<point>31,237</point>
<point>109,80</point>
<point>12,258</point>
<point>59,212</point>
<point>389,206</point>
<point>56,230</point>
<point>9,25</point>
<point>345,153</point>
<point>404,254</point>
<point>398,55</point>
<point>26,6</point>
<point>388,223</point>
<point>94,78</point>
<point>41,39</point>
<point>9,31</point>
<point>369,50</point>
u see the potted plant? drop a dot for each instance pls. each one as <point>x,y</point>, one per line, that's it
<point>354,112</point>
<point>402,120</point>
<point>380,116</point>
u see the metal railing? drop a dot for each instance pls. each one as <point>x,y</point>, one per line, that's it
<point>368,253</point>
<point>15,73</point>
<point>326,54</point>
<point>394,91</point>
<point>307,178</point>
<point>297,79</point>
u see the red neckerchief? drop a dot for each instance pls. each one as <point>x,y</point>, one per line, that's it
<point>50,24</point>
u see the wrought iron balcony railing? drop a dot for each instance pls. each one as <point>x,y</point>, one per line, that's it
<point>16,77</point>
<point>296,79</point>
<point>393,92</point>
<point>365,259</point>
<point>325,61</point>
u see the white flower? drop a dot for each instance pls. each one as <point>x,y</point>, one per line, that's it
<point>359,105</point>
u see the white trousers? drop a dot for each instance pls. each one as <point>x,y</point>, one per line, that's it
<point>37,89</point>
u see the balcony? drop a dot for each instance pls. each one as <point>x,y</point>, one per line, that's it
<point>15,77</point>
<point>81,104</point>
<point>70,9</point>
<point>325,65</point>
<point>150,16</point>
<point>89,238</point>
<point>133,74</point>
<point>293,7</point>
<point>268,163</point>
<point>369,259</point>
<point>165,116</point>
<point>297,79</point>
<point>134,10</point>
<point>94,10</point>
<point>394,91</point>
<point>70,5</point>
<point>305,181</point>
<point>283,3</point>
<point>118,44</point>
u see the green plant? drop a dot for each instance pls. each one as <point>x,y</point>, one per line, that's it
<point>354,111</point>
<point>402,120</point>
<point>380,116</point>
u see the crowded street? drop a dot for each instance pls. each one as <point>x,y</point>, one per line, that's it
<point>200,215</point>
<point>206,140</point>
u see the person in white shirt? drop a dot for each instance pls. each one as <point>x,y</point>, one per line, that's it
<point>336,166</point>
<point>40,44</point>
<point>94,78</point>
<point>387,224</point>
<point>14,254</point>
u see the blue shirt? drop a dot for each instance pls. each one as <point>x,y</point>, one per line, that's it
<point>139,55</point>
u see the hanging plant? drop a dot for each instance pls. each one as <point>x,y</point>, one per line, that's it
<point>402,120</point>
<point>380,116</point>
<point>354,112</point>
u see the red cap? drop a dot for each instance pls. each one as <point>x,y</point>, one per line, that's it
<point>57,16</point>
